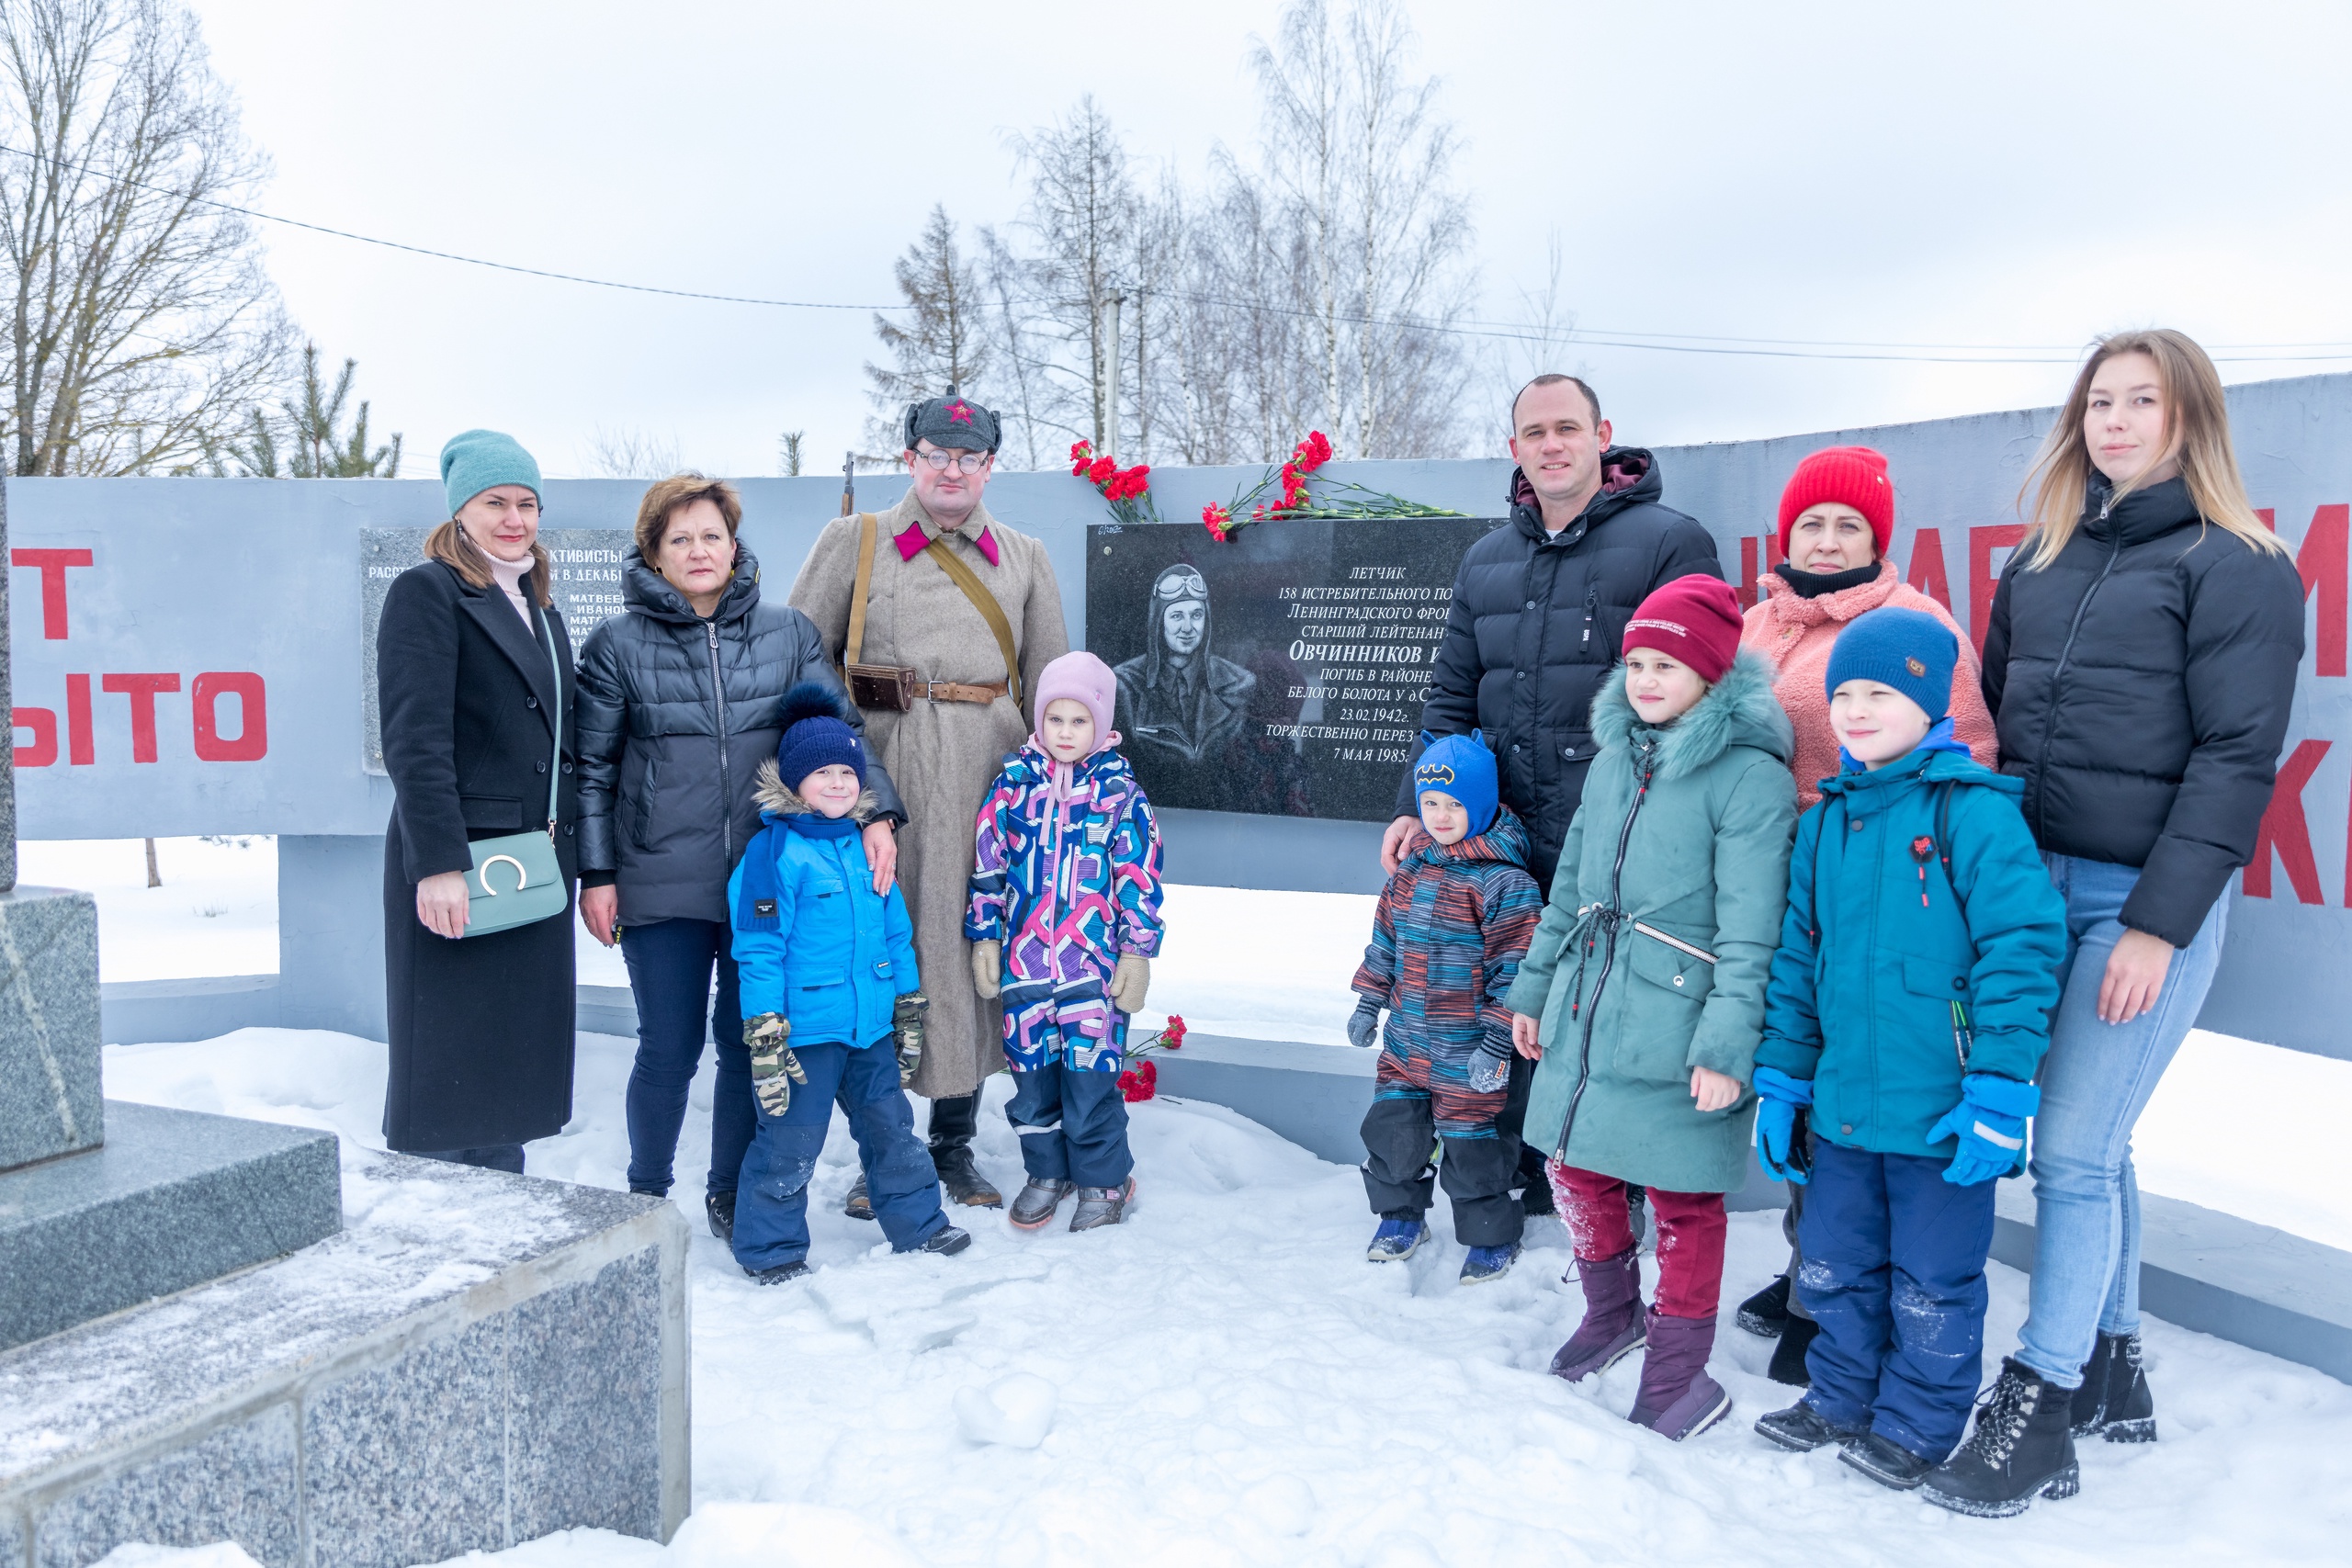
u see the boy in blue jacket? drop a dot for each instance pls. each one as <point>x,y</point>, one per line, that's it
<point>1907,1013</point>
<point>832,1002</point>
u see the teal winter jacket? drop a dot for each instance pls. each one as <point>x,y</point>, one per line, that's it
<point>1877,949</point>
<point>1684,829</point>
<point>812,939</point>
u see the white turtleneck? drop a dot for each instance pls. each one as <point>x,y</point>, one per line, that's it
<point>509,575</point>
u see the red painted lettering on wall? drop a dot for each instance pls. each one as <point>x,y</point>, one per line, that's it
<point>43,722</point>
<point>2285,831</point>
<point>81,734</point>
<point>2320,562</point>
<point>1981,578</point>
<point>251,741</point>
<point>51,564</point>
<point>141,690</point>
<point>1750,585</point>
<point>1928,567</point>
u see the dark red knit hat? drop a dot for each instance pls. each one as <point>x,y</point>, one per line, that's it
<point>1853,475</point>
<point>1695,619</point>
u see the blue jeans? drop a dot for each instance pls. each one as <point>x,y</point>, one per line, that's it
<point>1073,1126</point>
<point>668,974</point>
<point>771,1205</point>
<point>1894,1272</point>
<point>2094,1082</point>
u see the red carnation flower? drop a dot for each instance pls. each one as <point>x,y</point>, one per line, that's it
<point>1172,1033</point>
<point>1101,468</point>
<point>1080,450</point>
<point>1139,1082</point>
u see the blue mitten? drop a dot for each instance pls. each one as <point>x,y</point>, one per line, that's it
<point>1363,1025</point>
<point>1779,1098</point>
<point>1491,1066</point>
<point>1989,1122</point>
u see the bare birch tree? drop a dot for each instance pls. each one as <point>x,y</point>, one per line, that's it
<point>141,322</point>
<point>1082,212</point>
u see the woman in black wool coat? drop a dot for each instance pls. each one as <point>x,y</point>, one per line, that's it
<point>466,685</point>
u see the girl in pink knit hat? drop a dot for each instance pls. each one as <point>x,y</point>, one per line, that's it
<point>1064,921</point>
<point>1837,525</point>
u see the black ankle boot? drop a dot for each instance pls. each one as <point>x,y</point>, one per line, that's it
<point>721,1208</point>
<point>2020,1449</point>
<point>2114,1400</point>
<point>1766,1312</point>
<point>1788,1357</point>
<point>952,1123</point>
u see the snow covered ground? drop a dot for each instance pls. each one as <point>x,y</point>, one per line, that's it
<point>1224,1379</point>
<point>2253,1130</point>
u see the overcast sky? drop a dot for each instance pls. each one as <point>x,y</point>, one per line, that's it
<point>1971,173</point>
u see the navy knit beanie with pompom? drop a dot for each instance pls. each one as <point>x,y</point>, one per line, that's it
<point>816,735</point>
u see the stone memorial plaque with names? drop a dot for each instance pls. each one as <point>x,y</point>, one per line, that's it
<point>587,563</point>
<point>1281,673</point>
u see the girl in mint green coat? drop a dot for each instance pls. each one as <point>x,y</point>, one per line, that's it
<point>1642,994</point>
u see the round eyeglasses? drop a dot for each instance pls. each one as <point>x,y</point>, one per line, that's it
<point>969,463</point>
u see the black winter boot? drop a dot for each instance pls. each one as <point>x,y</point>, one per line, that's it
<point>720,1208</point>
<point>2114,1400</point>
<point>1886,1462</point>
<point>952,1121</point>
<point>1766,1312</point>
<point>859,1204</point>
<point>2020,1449</point>
<point>1788,1357</point>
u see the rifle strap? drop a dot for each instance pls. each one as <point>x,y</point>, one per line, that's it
<point>868,526</point>
<point>984,602</point>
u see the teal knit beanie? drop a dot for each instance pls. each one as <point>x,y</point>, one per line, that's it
<point>474,460</point>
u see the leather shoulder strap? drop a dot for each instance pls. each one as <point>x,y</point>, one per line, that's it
<point>991,610</point>
<point>868,526</point>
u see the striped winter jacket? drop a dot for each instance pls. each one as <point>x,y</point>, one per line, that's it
<point>1453,925</point>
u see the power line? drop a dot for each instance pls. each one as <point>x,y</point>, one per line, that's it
<point>1519,331</point>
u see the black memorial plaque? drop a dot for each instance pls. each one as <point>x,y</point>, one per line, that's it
<point>587,590</point>
<point>1281,673</point>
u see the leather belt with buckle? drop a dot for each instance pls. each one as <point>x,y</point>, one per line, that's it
<point>959,692</point>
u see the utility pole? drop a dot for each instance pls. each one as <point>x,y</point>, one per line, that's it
<point>1111,303</point>
<point>849,481</point>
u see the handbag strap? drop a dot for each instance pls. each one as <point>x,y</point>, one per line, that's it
<point>555,763</point>
<point>867,526</point>
<point>991,610</point>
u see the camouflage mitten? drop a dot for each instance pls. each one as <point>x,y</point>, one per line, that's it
<point>906,1022</point>
<point>775,1069</point>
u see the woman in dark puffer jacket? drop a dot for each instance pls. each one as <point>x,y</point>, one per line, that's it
<point>2140,665</point>
<point>678,701</point>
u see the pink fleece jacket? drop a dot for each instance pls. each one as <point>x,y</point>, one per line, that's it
<point>1795,634</point>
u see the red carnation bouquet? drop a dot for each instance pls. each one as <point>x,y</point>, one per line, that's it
<point>1340,499</point>
<point>1141,1078</point>
<point>1128,489</point>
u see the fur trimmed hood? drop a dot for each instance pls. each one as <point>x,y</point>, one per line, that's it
<point>777,800</point>
<point>1738,710</point>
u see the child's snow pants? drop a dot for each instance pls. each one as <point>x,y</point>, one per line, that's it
<point>1418,1100</point>
<point>1690,1227</point>
<point>772,1200</point>
<point>1073,1125</point>
<point>1894,1272</point>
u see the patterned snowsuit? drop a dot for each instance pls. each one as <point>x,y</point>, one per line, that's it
<point>1446,941</point>
<point>1066,887</point>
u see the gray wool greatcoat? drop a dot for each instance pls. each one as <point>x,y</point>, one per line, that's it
<point>942,756</point>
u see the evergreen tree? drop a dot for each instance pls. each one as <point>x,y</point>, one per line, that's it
<point>942,343</point>
<point>305,442</point>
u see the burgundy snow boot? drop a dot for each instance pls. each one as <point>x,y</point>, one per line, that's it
<point>1679,1399</point>
<point>1612,1317</point>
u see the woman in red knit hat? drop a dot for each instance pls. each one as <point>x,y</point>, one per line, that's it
<point>1837,525</point>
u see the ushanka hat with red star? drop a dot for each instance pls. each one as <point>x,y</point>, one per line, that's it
<point>954,421</point>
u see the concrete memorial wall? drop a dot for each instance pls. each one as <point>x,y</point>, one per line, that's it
<point>192,658</point>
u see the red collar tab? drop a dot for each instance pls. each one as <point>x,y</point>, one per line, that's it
<point>910,543</point>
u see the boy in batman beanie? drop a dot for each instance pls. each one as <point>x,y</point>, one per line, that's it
<point>1452,924</point>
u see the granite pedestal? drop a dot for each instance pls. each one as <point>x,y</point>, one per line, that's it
<point>48,1024</point>
<point>477,1359</point>
<point>173,1199</point>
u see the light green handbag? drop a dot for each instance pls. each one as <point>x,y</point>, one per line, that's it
<point>517,879</point>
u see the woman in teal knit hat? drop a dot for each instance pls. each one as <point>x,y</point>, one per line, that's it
<point>474,684</point>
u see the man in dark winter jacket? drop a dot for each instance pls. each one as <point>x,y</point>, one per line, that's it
<point>1540,604</point>
<point>1539,607</point>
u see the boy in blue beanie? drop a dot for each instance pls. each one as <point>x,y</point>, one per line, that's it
<point>1907,1014</point>
<point>829,979</point>
<point>1451,927</point>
